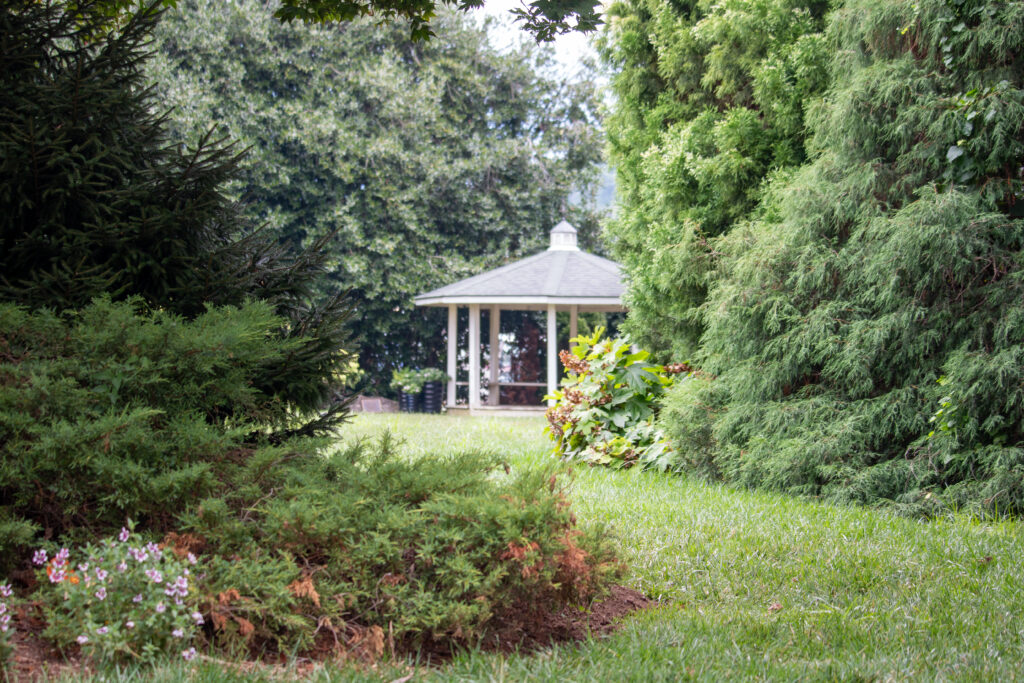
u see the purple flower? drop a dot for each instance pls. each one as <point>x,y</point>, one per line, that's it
<point>5,619</point>
<point>3,627</point>
<point>3,607</point>
<point>198,618</point>
<point>57,576</point>
<point>154,550</point>
<point>122,567</point>
<point>160,607</point>
<point>82,640</point>
<point>61,558</point>
<point>137,598</point>
<point>101,574</point>
<point>39,558</point>
<point>123,536</point>
<point>83,567</point>
<point>189,654</point>
<point>102,593</point>
<point>191,558</point>
<point>178,601</point>
<point>102,630</point>
<point>5,590</point>
<point>178,633</point>
<point>129,624</point>
<point>154,575</point>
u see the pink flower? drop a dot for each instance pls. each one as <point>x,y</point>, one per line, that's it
<point>82,640</point>
<point>123,536</point>
<point>198,618</point>
<point>191,558</point>
<point>101,594</point>
<point>39,558</point>
<point>189,654</point>
<point>122,567</point>
<point>61,558</point>
<point>178,633</point>
<point>5,590</point>
<point>129,624</point>
<point>137,598</point>
<point>101,574</point>
<point>154,575</point>
<point>102,630</point>
<point>83,567</point>
<point>160,607</point>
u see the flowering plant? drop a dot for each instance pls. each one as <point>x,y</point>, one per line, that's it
<point>6,630</point>
<point>118,600</point>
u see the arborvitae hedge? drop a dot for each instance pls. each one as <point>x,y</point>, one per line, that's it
<point>891,261</point>
<point>712,100</point>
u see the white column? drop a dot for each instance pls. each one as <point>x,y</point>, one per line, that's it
<point>474,356</point>
<point>453,336</point>
<point>574,312</point>
<point>493,392</point>
<point>552,351</point>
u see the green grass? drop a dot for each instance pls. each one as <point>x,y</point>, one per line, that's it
<point>754,585</point>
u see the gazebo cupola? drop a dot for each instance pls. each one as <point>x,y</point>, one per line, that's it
<point>561,278</point>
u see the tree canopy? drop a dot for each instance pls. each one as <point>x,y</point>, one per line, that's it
<point>418,163</point>
<point>545,19</point>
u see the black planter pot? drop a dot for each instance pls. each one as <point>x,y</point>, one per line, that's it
<point>408,402</point>
<point>432,399</point>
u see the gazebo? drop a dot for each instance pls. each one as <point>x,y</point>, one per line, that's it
<point>562,278</point>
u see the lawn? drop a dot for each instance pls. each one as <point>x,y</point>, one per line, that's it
<point>754,585</point>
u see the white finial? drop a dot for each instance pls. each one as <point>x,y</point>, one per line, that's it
<point>563,238</point>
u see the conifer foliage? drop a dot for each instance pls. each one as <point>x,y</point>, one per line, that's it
<point>882,283</point>
<point>95,199</point>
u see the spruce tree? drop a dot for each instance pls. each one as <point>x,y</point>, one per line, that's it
<point>95,199</point>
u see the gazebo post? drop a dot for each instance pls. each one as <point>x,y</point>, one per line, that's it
<point>574,332</point>
<point>493,390</point>
<point>453,336</point>
<point>474,356</point>
<point>552,352</point>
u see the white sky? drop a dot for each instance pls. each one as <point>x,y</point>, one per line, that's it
<point>569,49</point>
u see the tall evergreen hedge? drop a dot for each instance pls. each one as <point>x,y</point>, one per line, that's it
<point>882,284</point>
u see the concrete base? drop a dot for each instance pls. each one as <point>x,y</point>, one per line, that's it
<point>498,411</point>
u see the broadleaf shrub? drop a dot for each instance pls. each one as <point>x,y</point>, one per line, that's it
<point>605,412</point>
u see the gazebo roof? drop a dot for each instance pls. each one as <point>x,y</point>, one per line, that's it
<point>561,275</point>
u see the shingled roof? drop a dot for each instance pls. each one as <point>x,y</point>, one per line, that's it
<point>561,275</point>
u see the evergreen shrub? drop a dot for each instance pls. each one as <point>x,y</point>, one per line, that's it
<point>116,412</point>
<point>436,550</point>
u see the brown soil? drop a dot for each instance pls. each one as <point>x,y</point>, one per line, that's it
<point>522,630</point>
<point>526,630</point>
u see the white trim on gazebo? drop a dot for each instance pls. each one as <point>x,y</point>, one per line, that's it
<point>562,278</point>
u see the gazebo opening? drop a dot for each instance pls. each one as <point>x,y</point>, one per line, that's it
<point>510,360</point>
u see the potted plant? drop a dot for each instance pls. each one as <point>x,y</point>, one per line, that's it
<point>409,385</point>
<point>433,389</point>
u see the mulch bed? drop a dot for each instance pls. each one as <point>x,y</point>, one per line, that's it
<point>523,631</point>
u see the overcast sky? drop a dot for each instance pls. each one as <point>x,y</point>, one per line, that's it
<point>569,49</point>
